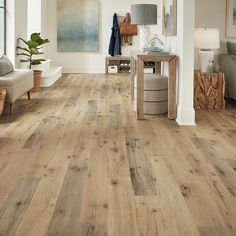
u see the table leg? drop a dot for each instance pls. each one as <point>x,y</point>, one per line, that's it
<point>158,67</point>
<point>223,93</point>
<point>28,95</point>
<point>172,111</point>
<point>132,76</point>
<point>140,88</point>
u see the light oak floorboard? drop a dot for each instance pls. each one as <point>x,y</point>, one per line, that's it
<point>75,161</point>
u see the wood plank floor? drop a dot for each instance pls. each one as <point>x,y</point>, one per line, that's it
<point>75,161</point>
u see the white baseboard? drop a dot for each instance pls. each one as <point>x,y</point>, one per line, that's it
<point>84,70</point>
<point>186,116</point>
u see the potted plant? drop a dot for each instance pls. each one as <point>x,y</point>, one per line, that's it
<point>30,52</point>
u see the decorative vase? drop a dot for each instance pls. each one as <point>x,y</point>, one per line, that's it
<point>155,45</point>
<point>37,79</point>
<point>210,68</point>
<point>216,68</point>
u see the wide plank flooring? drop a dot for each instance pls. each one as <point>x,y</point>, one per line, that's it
<point>74,161</point>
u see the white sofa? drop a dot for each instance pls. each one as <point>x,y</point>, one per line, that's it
<point>17,83</point>
<point>228,66</point>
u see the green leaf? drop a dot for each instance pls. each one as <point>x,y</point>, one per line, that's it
<point>21,39</point>
<point>32,44</point>
<point>34,63</point>
<point>35,51</point>
<point>33,48</point>
<point>40,59</point>
<point>37,61</point>
<point>23,54</point>
<point>23,60</point>
<point>44,41</point>
<point>35,37</point>
<point>24,49</point>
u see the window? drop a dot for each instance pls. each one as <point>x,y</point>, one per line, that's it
<point>2,27</point>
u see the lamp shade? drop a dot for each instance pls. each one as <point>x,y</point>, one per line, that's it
<point>207,38</point>
<point>144,14</point>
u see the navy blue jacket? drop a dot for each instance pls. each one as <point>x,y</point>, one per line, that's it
<point>115,42</point>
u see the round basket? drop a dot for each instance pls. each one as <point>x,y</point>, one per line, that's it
<point>2,99</point>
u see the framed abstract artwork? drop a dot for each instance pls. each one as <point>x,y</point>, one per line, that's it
<point>170,17</point>
<point>231,18</point>
<point>77,25</point>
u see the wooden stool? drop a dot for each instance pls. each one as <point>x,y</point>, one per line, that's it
<point>155,94</point>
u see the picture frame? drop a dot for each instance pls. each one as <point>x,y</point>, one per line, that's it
<point>78,26</point>
<point>170,17</point>
<point>230,19</point>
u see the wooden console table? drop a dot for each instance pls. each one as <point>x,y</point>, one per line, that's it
<point>209,90</point>
<point>137,67</point>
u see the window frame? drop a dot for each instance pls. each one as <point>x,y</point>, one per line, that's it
<point>5,24</point>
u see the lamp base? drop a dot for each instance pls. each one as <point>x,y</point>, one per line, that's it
<point>205,57</point>
<point>144,37</point>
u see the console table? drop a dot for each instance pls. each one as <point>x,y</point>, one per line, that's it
<point>138,60</point>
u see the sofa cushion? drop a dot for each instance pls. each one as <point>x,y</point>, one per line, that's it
<point>5,66</point>
<point>231,47</point>
<point>15,77</point>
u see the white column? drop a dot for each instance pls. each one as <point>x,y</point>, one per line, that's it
<point>34,17</point>
<point>185,42</point>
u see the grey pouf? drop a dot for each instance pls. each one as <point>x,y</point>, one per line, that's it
<point>155,94</point>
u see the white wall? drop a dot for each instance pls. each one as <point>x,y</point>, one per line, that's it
<point>212,14</point>
<point>183,46</point>
<point>92,62</point>
<point>34,17</point>
<point>16,27</point>
<point>43,17</point>
<point>10,39</point>
<point>20,23</point>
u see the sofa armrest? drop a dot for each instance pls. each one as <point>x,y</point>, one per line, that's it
<point>228,66</point>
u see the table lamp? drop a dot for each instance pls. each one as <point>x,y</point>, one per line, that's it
<point>144,15</point>
<point>206,39</point>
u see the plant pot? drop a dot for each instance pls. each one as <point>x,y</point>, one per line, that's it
<point>37,79</point>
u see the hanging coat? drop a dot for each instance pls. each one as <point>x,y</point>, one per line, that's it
<point>115,42</point>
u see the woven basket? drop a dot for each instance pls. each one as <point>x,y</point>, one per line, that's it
<point>2,99</point>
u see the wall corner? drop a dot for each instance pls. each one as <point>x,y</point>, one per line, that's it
<point>186,116</point>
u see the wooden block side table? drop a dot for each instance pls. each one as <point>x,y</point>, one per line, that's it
<point>209,90</point>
